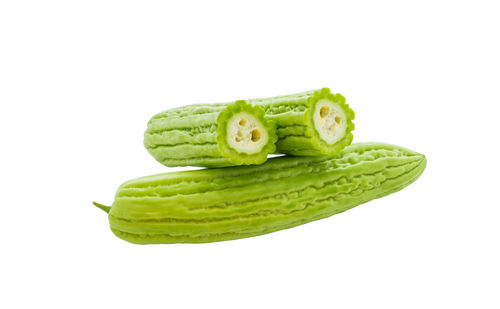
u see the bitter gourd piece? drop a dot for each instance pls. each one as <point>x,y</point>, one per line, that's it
<point>211,135</point>
<point>236,202</point>
<point>310,123</point>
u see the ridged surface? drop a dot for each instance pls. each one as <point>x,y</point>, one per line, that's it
<point>293,115</point>
<point>190,135</point>
<point>195,135</point>
<point>236,202</point>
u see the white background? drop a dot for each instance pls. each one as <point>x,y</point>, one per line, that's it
<point>80,79</point>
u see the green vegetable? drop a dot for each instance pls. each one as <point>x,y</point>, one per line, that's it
<point>211,135</point>
<point>229,203</point>
<point>310,123</point>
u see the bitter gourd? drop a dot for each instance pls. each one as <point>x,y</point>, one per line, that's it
<point>310,123</point>
<point>229,203</point>
<point>211,135</point>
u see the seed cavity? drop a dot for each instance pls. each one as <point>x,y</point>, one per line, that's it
<point>330,121</point>
<point>256,135</point>
<point>324,110</point>
<point>246,134</point>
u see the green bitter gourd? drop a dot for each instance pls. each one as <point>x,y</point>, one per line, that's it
<point>310,123</point>
<point>211,135</point>
<point>236,202</point>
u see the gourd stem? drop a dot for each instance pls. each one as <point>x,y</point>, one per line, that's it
<point>103,207</point>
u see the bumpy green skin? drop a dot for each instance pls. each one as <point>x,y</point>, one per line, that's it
<point>293,115</point>
<point>237,202</point>
<point>195,135</point>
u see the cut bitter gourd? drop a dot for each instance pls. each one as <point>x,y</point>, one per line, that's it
<point>310,123</point>
<point>229,203</point>
<point>211,135</point>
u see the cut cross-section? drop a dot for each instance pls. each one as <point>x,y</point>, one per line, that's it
<point>246,134</point>
<point>330,121</point>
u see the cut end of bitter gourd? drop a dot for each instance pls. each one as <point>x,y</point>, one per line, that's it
<point>244,135</point>
<point>331,120</point>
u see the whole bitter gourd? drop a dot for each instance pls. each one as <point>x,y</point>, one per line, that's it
<point>310,123</point>
<point>229,203</point>
<point>211,135</point>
